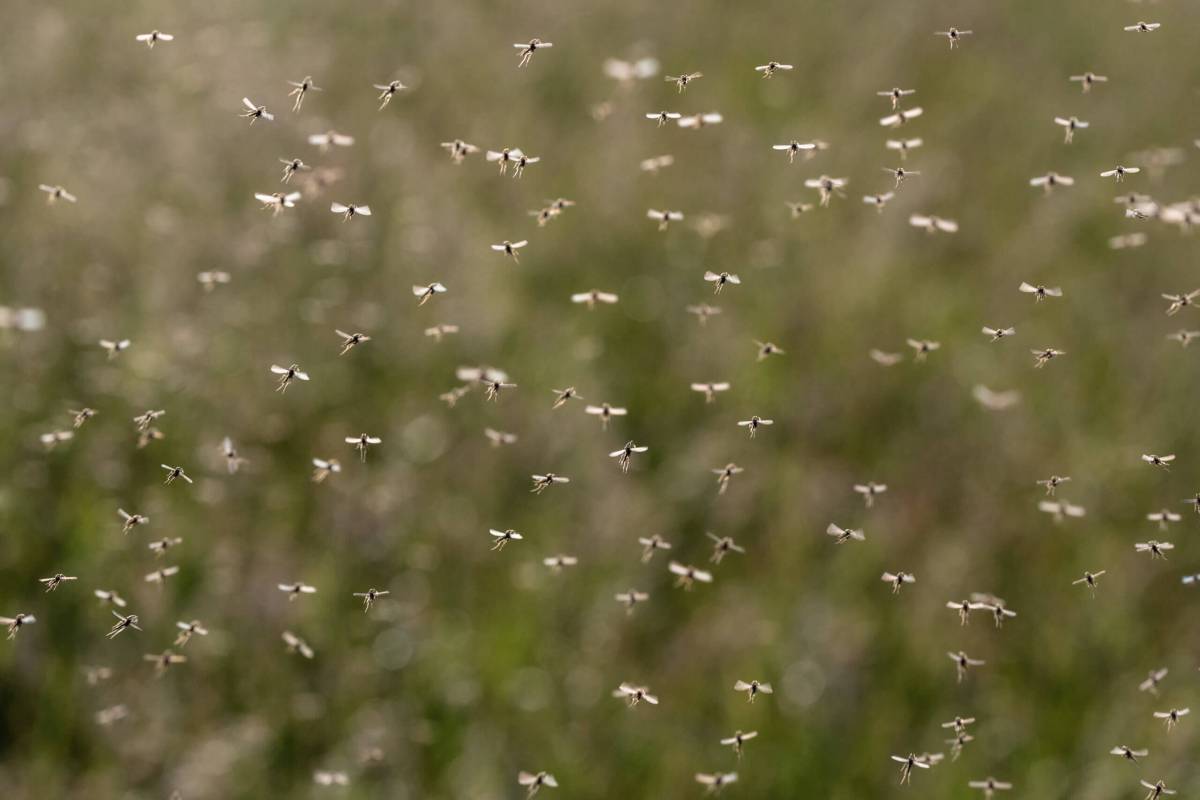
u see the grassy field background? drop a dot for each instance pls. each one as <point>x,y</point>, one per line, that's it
<point>480,663</point>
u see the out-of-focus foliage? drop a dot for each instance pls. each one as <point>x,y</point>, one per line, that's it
<point>483,663</point>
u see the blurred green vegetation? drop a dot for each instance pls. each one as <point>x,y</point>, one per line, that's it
<point>480,663</point>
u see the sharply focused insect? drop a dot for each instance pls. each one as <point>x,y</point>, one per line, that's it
<point>535,781</point>
<point>997,334</point>
<point>754,423</point>
<point>504,157</point>
<point>625,455</point>
<point>426,292</point>
<point>897,580</point>
<point>906,765</point>
<point>301,89</point>
<point>1172,717</point>
<point>793,147</point>
<point>173,473</point>
<point>843,535</point>
<point>1182,300</point>
<point>370,596</point>
<point>964,609</point>
<point>351,210</point>
<point>1158,788</point>
<point>510,248</point>
<point>256,112</point>
<point>683,80</point>
<point>362,442</point>
<point>1143,27</point>
<point>954,35</point>
<point>153,37</point>
<point>350,340</point>
<point>720,279</point>
<point>1089,578</point>
<point>1053,482</point>
<point>895,94</point>
<point>1158,461</point>
<point>688,575</point>
<point>123,623</point>
<point>387,91</point>
<point>1044,356</point>
<point>55,580</point>
<point>771,67</point>
<point>664,116</point>
<point>528,49</point>
<point>1156,549</point>
<point>287,375</point>
<point>543,482</point>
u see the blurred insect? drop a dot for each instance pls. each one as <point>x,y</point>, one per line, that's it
<point>1088,79</point>
<point>999,612</point>
<point>906,766</point>
<point>561,396</point>
<point>885,359</point>
<point>1152,681</point>
<point>1144,27</point>
<point>556,563</point>
<point>606,412</point>
<point>510,248</point>
<point>211,278</point>
<point>895,94</point>
<point>498,438</point>
<point>654,164</point>
<point>625,72</point>
<point>738,741</point>
<point>958,743</point>
<point>901,117</point>
<point>827,187</point>
<point>793,147</point>
<point>277,201</point>
<point>1126,241</point>
<point>143,420</point>
<point>348,211</point>
<point>1158,788</point>
<point>962,662</point>
<point>593,296</point>
<point>923,348</point>
<point>688,575</point>
<point>699,121</point>
<point>149,435</point>
<point>703,312</point>
<point>326,778</point>
<point>362,442</point>
<point>1172,717</point>
<point>297,645</point>
<point>754,423</point>
<point>15,623</point>
<point>287,375</point>
<point>1053,482</point>
<point>123,623</point>
<point>1179,301</point>
<point>1120,172</point>
<point>294,590</point>
<point>1128,753</point>
<point>95,675</point>
<point>350,340</point>
<point>1040,292</point>
<point>682,81</point>
<point>187,630</point>
<point>1060,509</point>
<point>438,331</point>
<point>933,224</point>
<point>107,716</point>
<point>959,724</point>
<point>878,200</point>
<point>1044,356</point>
<point>54,438</point>
<point>997,334</point>
<point>799,208</point>
<point>528,49</point>
<point>493,386</point>
<point>903,146</point>
<point>54,581</point>
<point>1051,180</point>
<point>989,786</point>
<point>504,156</point>
<point>1163,518</point>
<point>710,390</point>
<point>716,781</point>
<point>631,598</point>
<point>255,112</point>
<point>370,596</point>
<point>897,580</point>
<point>964,609</point>
<point>164,660</point>
<point>110,597</point>
<point>426,292</point>
<point>634,694</point>
<point>954,35</point>
<point>173,473</point>
<point>1158,461</point>
<point>1070,125</point>
<point>535,781</point>
<point>664,218</point>
<point>330,138</point>
<point>722,546</point>
<point>522,161</point>
<point>843,535</point>
<point>719,280</point>
<point>160,547</point>
<point>724,474</point>
<point>1194,502</point>
<point>1154,548</point>
<point>459,150</point>
<point>387,91</point>
<point>768,349</point>
<point>153,37</point>
<point>771,67</point>
<point>115,347</point>
<point>322,469</point>
<point>56,193</point>
<point>652,544</point>
<point>160,576</point>
<point>869,491</point>
<point>543,482</point>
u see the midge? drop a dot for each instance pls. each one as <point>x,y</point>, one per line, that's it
<point>255,112</point>
<point>1040,292</point>
<point>493,385</point>
<point>1089,578</point>
<point>793,147</point>
<point>1171,717</point>
<point>351,340</point>
<point>426,292</point>
<point>664,218</point>
<point>651,545</point>
<point>634,694</point>
<point>322,469</point>
<point>504,156</point>
<point>630,599</point>
<point>895,94</point>
<point>710,390</point>
<point>300,90</point>
<point>154,37</point>
<point>387,91</point>
<point>370,596</point>
<point>720,279</point>
<point>1152,681</point>
<point>1128,753</point>
<point>752,689</point>
<point>295,644</point>
<point>1119,172</point>
<point>1070,125</point>
<point>362,442</point>
<point>683,80</point>
<point>897,580</point>
<point>724,475</point>
<point>1144,27</point>
<point>932,223</point>
<point>294,590</point>
<point>827,187</point>
<point>997,334</point>
<point>348,211</point>
<point>954,35</point>
<point>962,662</point>
<point>160,547</point>
<point>510,248</point>
<point>605,412</point>
<point>738,740</point>
<point>964,609</point>
<point>1050,181</point>
<point>173,473</point>
<point>687,575</point>
<point>160,576</point>
<point>989,786</point>
<point>78,417</point>
<point>771,67</point>
<point>144,419</point>
<point>906,765</point>
<point>534,781</point>
<point>277,201</point>
<point>115,346</point>
<point>1158,461</point>
<point>459,150</point>
<point>716,781</point>
<point>529,48</point>
<point>187,630</point>
<point>843,535</point>
<point>287,375</point>
<point>722,546</point>
<point>55,580</point>
<point>561,396</point>
<point>1044,356</point>
<point>592,297</point>
<point>56,193</point>
<point>1163,518</point>
<point>878,200</point>
<point>1182,300</point>
<point>1154,548</point>
<point>1158,788</point>
<point>522,161</point>
<point>164,660</point>
<point>543,482</point>
<point>901,117</point>
<point>15,623</point>
<point>923,348</point>
<point>754,423</point>
<point>625,455</point>
<point>1053,482</point>
<point>664,116</point>
<point>1088,79</point>
<point>870,490</point>
<point>903,146</point>
<point>123,623</point>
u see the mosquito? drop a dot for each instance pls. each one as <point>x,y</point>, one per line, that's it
<point>1070,125</point>
<point>719,280</point>
<point>154,37</point>
<point>1119,172</point>
<point>370,596</point>
<point>322,469</point>
<point>510,248</point>
<point>754,423</point>
<point>350,340</point>
<point>287,375</point>
<point>1163,518</point>
<point>351,210</point>
<point>724,475</point>
<point>459,150</point>
<point>1182,300</point>
<point>651,545</point>
<point>1128,753</point>
<point>15,623</point>
<point>56,193</point>
<point>493,386</point>
<point>999,612</point>
<point>903,146</point>
<point>160,576</point>
<point>1158,788</point>
<point>543,482</point>
<point>160,547</point>
<point>1040,292</point>
<point>1050,181</point>
<point>688,575</point>
<point>297,645</point>
<point>704,311</point>
<point>387,91</point>
<point>1152,681</point>
<point>1172,717</point>
<point>1088,79</point>
<point>362,442</point>
<point>716,781</point>
<point>254,113</point>
<point>901,117</point>
<point>173,473</point>
<point>528,49</point>
<point>634,694</point>
<point>793,147</point>
<point>210,279</point>
<point>590,298</point>
<point>1053,482</point>
<point>294,590</point>
<point>1154,548</point>
<point>906,766</point>
<point>682,81</point>
<point>535,781</point>
<point>932,223</point>
<point>605,412</point>
<point>123,623</point>
<point>1158,461</point>
<point>738,741</point>
<point>521,162</point>
<point>989,786</point>
<point>954,35</point>
<point>438,331</point>
<point>115,346</point>
<point>631,598</point>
